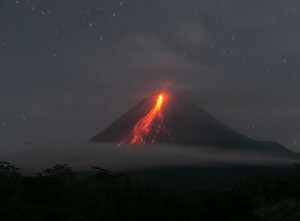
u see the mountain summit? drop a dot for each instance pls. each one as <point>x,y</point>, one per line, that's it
<point>163,118</point>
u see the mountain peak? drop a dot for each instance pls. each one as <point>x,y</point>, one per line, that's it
<point>165,118</point>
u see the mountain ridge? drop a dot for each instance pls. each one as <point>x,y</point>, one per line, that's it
<point>189,125</point>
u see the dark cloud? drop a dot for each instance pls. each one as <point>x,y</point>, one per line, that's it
<point>68,69</point>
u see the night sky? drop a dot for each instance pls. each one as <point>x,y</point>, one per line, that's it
<point>70,68</point>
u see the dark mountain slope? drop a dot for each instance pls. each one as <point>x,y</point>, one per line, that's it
<point>187,124</point>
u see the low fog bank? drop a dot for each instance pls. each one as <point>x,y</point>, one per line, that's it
<point>80,156</point>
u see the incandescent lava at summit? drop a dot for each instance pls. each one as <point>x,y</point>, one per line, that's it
<point>150,127</point>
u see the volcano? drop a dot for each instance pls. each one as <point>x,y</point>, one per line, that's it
<point>163,118</point>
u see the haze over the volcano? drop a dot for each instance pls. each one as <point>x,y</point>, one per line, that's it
<point>68,70</point>
<point>165,118</point>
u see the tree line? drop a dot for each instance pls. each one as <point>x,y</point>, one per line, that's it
<point>58,194</point>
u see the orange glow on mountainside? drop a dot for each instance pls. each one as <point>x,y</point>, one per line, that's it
<point>147,128</point>
<point>142,128</point>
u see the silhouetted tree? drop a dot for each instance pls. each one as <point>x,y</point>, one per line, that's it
<point>56,194</point>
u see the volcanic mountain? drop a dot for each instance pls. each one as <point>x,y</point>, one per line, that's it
<point>163,118</point>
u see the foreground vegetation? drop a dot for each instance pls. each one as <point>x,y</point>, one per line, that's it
<point>56,194</point>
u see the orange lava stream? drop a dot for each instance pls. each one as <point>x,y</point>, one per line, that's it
<point>142,128</point>
<point>145,129</point>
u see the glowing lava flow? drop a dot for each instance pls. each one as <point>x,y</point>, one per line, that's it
<point>142,128</point>
<point>149,127</point>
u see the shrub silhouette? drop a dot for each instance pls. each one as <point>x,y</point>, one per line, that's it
<point>57,194</point>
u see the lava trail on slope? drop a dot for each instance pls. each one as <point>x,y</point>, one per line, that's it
<point>149,128</point>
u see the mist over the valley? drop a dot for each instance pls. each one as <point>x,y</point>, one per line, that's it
<point>81,156</point>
